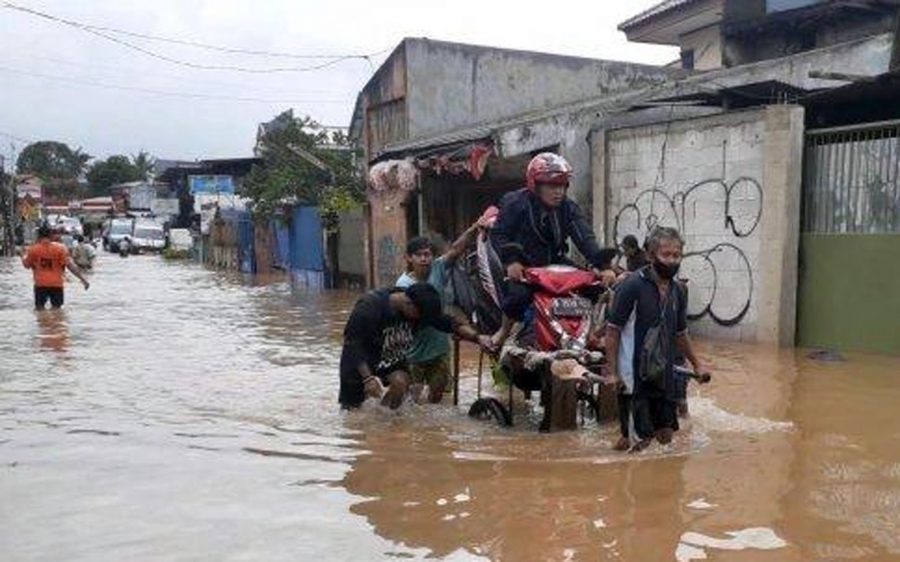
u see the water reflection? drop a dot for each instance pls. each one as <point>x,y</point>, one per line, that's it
<point>53,330</point>
<point>416,491</point>
<point>197,419</point>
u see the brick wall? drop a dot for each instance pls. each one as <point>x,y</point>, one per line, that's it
<point>711,178</point>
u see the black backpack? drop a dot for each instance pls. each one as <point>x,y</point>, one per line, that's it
<point>655,352</point>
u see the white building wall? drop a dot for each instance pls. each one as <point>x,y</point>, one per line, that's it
<point>705,177</point>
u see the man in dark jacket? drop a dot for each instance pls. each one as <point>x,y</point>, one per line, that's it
<point>533,228</point>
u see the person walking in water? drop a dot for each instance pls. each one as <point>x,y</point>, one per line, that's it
<point>48,261</point>
<point>647,329</point>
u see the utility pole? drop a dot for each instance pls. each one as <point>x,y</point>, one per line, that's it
<point>8,211</point>
<point>895,48</point>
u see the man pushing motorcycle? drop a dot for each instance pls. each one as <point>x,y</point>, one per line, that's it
<point>532,230</point>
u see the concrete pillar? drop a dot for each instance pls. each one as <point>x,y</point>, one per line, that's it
<point>600,195</point>
<point>780,224</point>
<point>388,235</point>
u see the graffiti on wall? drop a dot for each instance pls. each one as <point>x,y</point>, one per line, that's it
<point>708,214</point>
<point>388,254</point>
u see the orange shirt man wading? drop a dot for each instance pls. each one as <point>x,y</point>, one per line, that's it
<point>48,261</point>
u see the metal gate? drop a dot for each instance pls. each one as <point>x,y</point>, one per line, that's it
<point>849,294</point>
<point>850,183</point>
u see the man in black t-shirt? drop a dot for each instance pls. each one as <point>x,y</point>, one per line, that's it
<point>646,298</point>
<point>378,336</point>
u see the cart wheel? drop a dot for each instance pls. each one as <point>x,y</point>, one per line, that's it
<point>487,408</point>
<point>592,403</point>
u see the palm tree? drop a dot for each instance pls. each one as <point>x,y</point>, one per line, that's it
<point>144,164</point>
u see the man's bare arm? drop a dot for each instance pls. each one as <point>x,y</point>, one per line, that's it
<point>686,347</point>
<point>460,244</point>
<point>76,271</point>
<point>613,337</point>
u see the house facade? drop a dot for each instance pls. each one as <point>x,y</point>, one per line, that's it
<point>714,34</point>
<point>424,125</point>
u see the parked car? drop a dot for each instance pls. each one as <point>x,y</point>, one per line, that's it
<point>116,231</point>
<point>71,226</point>
<point>68,225</point>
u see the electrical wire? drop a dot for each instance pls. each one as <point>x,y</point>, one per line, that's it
<point>197,44</point>
<point>160,92</point>
<point>102,32</point>
<point>108,68</point>
<point>13,137</point>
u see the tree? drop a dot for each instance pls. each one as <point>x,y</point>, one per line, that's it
<point>303,164</point>
<point>114,170</point>
<point>144,164</point>
<point>56,164</point>
<point>51,160</point>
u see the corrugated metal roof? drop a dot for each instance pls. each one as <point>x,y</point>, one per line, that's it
<point>659,9</point>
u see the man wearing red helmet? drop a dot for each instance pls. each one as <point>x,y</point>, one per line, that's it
<point>534,226</point>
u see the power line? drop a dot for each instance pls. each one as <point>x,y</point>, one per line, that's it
<point>159,92</point>
<point>13,137</point>
<point>172,76</point>
<point>102,33</point>
<point>197,44</point>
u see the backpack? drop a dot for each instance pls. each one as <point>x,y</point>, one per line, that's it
<point>655,351</point>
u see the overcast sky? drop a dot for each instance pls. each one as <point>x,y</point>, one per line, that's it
<point>62,83</point>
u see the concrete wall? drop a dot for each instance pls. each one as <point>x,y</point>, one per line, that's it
<point>388,236</point>
<point>351,258</point>
<point>731,184</point>
<point>451,85</point>
<point>568,135</point>
<point>570,130</point>
<point>867,56</point>
<point>707,46</point>
<point>383,105</point>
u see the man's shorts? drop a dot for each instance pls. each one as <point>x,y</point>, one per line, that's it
<point>384,373</point>
<point>652,414</point>
<point>432,373</point>
<point>44,294</point>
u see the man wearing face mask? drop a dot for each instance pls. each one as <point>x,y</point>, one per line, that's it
<point>649,302</point>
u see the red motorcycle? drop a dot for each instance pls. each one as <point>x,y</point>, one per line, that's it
<point>554,342</point>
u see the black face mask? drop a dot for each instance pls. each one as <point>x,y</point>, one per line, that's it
<point>666,271</point>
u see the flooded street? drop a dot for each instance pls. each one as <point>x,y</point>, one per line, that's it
<point>175,413</point>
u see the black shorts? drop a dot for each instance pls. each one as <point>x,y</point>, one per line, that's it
<point>652,413</point>
<point>44,294</point>
<point>352,390</point>
<point>384,372</point>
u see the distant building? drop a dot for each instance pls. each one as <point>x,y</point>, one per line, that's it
<point>202,186</point>
<point>724,33</point>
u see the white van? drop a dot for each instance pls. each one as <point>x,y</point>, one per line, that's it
<point>149,236</point>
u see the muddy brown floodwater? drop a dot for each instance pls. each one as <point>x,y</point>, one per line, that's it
<point>173,413</point>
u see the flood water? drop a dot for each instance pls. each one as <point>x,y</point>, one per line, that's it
<point>175,413</point>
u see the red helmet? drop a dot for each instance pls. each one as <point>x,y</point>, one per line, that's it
<point>548,167</point>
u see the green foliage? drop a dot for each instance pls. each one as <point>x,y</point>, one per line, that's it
<point>58,166</point>
<point>119,169</point>
<point>303,165</point>
<point>174,254</point>
<point>114,170</point>
<point>143,163</point>
<point>52,161</point>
